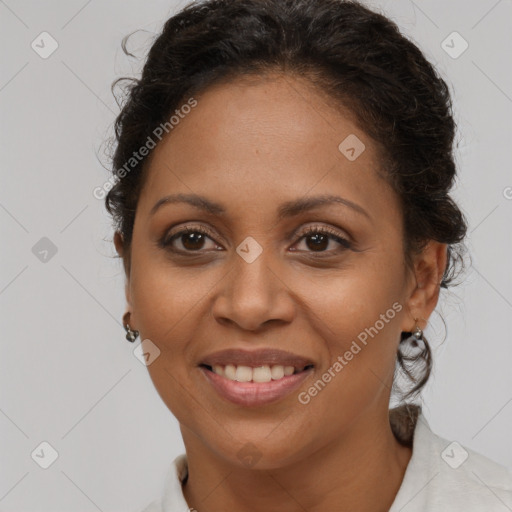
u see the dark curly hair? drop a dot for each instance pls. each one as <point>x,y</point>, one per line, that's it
<point>356,57</point>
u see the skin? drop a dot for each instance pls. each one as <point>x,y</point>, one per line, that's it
<point>252,145</point>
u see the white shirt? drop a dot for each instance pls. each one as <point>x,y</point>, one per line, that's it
<point>441,476</point>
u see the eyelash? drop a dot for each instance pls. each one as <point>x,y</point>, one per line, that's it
<point>166,242</point>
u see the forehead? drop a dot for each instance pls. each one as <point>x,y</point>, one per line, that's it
<point>261,141</point>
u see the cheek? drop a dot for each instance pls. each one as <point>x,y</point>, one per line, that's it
<point>361,301</point>
<point>355,314</point>
<point>360,332</point>
<point>166,303</point>
<point>166,297</point>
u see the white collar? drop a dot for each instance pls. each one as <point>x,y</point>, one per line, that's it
<point>444,475</point>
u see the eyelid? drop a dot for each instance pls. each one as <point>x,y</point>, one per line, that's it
<point>170,233</point>
<point>335,232</point>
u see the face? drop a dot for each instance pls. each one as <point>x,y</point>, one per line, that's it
<point>249,278</point>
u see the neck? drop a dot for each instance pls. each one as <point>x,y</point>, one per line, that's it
<point>362,470</point>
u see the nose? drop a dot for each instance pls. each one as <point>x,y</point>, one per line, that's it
<point>253,295</point>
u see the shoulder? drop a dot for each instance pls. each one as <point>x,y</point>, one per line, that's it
<point>446,475</point>
<point>470,477</point>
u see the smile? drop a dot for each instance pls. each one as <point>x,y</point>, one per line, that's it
<point>253,386</point>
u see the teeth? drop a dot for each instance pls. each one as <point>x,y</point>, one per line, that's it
<point>243,374</point>
<point>288,370</point>
<point>277,372</point>
<point>229,372</point>
<point>219,370</point>
<point>264,373</point>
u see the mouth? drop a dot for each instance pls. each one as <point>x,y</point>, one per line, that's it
<point>254,386</point>
<point>255,377</point>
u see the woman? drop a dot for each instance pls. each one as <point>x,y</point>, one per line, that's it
<point>283,214</point>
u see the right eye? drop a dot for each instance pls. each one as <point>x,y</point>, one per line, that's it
<point>191,239</point>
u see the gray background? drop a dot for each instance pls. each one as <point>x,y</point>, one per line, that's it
<point>68,377</point>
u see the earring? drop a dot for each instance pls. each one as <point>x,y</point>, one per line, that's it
<point>416,336</point>
<point>131,335</point>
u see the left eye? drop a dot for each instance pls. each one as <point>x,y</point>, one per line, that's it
<point>319,238</point>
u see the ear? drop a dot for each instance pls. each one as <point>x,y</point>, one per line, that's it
<point>119,244</point>
<point>423,293</point>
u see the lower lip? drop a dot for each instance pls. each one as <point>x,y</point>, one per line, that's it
<point>250,394</point>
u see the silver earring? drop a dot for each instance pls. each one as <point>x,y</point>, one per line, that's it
<point>131,336</point>
<point>416,336</point>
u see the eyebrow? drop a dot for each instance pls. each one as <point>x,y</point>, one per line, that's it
<point>288,209</point>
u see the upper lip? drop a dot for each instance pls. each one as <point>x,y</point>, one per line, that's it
<point>254,358</point>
